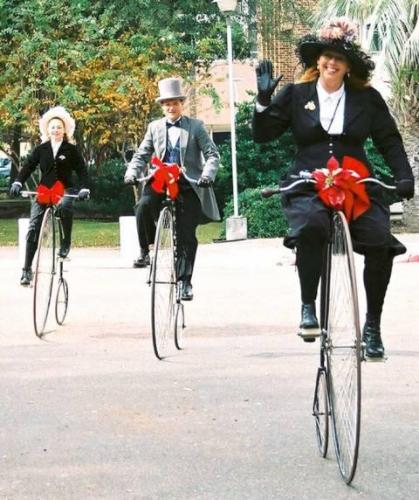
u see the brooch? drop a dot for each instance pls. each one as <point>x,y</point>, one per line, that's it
<point>310,106</point>
<point>61,157</point>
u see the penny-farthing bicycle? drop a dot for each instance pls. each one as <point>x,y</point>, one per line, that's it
<point>337,391</point>
<point>47,266</point>
<point>167,308</point>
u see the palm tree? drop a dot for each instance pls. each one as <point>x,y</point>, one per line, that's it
<point>395,25</point>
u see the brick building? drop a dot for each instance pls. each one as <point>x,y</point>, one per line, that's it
<point>278,30</point>
<point>273,32</point>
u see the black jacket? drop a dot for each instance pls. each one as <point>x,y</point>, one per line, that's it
<point>366,115</point>
<point>67,160</point>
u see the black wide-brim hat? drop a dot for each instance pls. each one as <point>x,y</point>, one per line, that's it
<point>337,35</point>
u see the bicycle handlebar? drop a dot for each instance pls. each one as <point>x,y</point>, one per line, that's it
<point>304,179</point>
<point>26,194</point>
<point>149,176</point>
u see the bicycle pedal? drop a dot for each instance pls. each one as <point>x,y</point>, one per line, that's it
<point>375,360</point>
<point>309,334</point>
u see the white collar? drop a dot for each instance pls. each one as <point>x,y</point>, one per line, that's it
<point>334,96</point>
<point>176,121</point>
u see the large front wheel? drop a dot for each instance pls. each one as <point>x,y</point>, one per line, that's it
<point>343,351</point>
<point>163,282</point>
<point>44,273</point>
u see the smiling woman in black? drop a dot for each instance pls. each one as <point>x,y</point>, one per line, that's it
<point>331,112</point>
<point>57,158</point>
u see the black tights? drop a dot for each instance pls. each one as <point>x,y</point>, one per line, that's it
<point>377,272</point>
<point>378,265</point>
<point>309,265</point>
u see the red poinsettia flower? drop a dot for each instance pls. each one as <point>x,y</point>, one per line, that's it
<point>338,188</point>
<point>165,178</point>
<point>50,196</point>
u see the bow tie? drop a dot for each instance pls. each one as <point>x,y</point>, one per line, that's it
<point>176,124</point>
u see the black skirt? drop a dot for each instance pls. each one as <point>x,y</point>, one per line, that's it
<point>309,218</point>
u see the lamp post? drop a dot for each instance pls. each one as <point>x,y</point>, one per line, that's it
<point>236,225</point>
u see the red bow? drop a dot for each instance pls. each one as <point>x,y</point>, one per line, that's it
<point>50,196</point>
<point>338,188</point>
<point>165,178</point>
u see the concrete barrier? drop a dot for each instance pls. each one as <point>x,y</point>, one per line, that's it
<point>128,240</point>
<point>23,225</point>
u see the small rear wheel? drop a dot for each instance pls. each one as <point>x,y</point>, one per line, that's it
<point>321,412</point>
<point>61,301</point>
<point>180,326</point>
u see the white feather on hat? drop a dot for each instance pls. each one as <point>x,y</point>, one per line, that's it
<point>57,112</point>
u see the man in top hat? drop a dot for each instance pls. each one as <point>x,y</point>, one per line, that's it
<point>178,139</point>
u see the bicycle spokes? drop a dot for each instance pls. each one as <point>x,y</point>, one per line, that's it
<point>163,282</point>
<point>44,273</point>
<point>343,350</point>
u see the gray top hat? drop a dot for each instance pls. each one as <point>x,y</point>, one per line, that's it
<point>170,88</point>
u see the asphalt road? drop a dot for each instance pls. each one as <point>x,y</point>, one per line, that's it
<point>90,413</point>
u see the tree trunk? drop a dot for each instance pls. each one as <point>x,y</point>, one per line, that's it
<point>15,152</point>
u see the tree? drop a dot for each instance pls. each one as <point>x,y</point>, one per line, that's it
<point>395,25</point>
<point>101,59</point>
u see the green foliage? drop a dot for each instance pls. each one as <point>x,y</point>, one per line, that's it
<point>265,218</point>
<point>94,233</point>
<point>110,197</point>
<point>381,170</point>
<point>257,164</point>
<point>102,61</point>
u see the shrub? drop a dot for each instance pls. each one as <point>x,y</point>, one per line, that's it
<point>265,218</point>
<point>257,164</point>
<point>110,198</point>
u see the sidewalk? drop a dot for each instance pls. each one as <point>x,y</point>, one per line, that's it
<point>89,412</point>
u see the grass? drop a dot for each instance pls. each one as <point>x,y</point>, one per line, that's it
<point>92,233</point>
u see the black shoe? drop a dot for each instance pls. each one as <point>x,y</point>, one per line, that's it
<point>309,325</point>
<point>27,277</point>
<point>187,293</point>
<point>142,261</point>
<point>371,335</point>
<point>64,250</point>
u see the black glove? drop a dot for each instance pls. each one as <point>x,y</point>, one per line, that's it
<point>405,188</point>
<point>265,82</point>
<point>15,189</point>
<point>130,180</point>
<point>84,194</point>
<point>204,182</point>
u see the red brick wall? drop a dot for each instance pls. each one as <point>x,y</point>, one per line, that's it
<point>274,31</point>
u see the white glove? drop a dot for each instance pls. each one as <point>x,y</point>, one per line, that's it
<point>84,194</point>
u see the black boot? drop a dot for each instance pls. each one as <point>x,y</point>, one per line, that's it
<point>309,325</point>
<point>27,277</point>
<point>143,260</point>
<point>371,335</point>
<point>187,293</point>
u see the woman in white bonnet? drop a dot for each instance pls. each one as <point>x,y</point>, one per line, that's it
<point>57,158</point>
